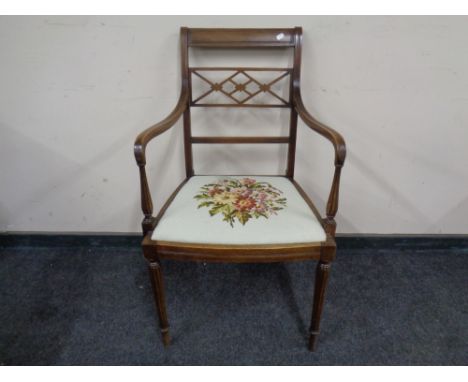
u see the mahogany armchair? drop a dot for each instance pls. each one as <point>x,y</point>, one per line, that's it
<point>240,218</point>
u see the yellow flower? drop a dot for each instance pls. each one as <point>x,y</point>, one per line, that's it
<point>225,198</point>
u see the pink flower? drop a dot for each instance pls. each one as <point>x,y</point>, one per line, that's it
<point>248,181</point>
<point>262,196</point>
<point>260,208</point>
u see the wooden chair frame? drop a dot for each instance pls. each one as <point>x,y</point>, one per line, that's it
<point>324,252</point>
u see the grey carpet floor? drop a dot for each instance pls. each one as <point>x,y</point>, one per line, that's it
<point>91,306</point>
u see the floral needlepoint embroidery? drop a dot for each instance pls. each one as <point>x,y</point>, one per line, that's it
<point>241,199</point>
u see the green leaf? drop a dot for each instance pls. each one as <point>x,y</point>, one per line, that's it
<point>216,209</point>
<point>243,217</point>
<point>202,196</point>
<point>205,204</point>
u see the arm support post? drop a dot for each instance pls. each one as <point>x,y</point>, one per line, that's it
<point>340,154</point>
<point>140,155</point>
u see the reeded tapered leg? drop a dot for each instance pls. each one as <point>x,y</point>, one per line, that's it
<point>159,297</point>
<point>321,279</point>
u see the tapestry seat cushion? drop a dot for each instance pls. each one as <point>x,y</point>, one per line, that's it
<point>237,210</point>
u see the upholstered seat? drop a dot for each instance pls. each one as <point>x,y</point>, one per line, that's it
<point>239,210</point>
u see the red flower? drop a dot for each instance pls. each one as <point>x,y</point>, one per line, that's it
<point>214,191</point>
<point>245,204</point>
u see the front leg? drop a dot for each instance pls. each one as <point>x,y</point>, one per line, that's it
<point>321,279</point>
<point>160,299</point>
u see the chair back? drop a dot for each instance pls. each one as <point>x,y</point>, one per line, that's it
<point>241,87</point>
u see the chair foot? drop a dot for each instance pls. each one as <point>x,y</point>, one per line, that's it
<point>313,340</point>
<point>166,338</point>
<point>321,279</point>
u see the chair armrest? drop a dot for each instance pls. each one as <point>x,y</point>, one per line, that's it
<point>340,154</point>
<point>333,136</point>
<point>151,132</point>
<point>141,141</point>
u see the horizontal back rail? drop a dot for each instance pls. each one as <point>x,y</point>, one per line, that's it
<point>233,68</point>
<point>241,38</point>
<point>255,139</point>
<point>235,105</point>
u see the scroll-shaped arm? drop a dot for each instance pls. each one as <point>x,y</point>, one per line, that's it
<point>151,132</point>
<point>140,155</point>
<point>340,154</point>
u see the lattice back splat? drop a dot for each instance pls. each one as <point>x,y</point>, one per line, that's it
<point>241,87</point>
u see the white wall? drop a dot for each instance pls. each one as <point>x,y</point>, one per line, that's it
<point>75,91</point>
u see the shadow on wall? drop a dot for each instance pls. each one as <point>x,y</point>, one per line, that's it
<point>5,216</point>
<point>319,189</point>
<point>449,219</point>
<point>386,186</point>
<point>36,173</point>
